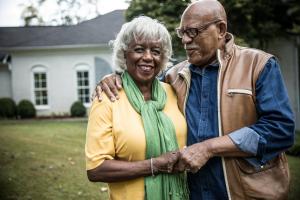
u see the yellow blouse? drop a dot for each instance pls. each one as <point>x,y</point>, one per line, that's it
<point>115,130</point>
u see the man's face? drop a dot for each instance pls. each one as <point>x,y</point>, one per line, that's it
<point>200,49</point>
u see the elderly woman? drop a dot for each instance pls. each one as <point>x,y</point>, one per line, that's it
<point>132,143</point>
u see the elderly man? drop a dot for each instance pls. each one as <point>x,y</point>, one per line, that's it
<point>237,110</point>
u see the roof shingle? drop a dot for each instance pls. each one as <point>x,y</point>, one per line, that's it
<point>99,30</point>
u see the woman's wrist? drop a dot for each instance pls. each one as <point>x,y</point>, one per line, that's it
<point>153,167</point>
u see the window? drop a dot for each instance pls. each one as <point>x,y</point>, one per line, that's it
<point>83,86</point>
<point>40,86</point>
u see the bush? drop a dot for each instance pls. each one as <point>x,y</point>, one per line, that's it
<point>294,150</point>
<point>8,108</point>
<point>78,109</point>
<point>26,109</point>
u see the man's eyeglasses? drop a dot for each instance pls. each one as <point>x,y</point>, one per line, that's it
<point>193,32</point>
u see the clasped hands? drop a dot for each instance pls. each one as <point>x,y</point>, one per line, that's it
<point>190,159</point>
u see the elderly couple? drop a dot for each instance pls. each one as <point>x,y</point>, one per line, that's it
<point>226,103</point>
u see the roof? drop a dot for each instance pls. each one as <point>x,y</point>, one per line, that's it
<point>97,31</point>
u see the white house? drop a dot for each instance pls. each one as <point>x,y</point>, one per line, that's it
<point>54,66</point>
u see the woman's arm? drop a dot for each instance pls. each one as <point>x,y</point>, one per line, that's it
<point>118,170</point>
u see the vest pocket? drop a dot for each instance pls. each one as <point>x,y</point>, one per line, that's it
<point>231,92</point>
<point>247,168</point>
<point>269,182</point>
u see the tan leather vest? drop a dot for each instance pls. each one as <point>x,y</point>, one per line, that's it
<point>238,73</point>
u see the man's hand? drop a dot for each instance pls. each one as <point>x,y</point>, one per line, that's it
<point>110,84</point>
<point>192,158</point>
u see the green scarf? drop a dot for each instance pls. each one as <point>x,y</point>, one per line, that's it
<point>160,138</point>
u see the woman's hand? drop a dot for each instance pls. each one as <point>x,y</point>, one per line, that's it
<point>165,163</point>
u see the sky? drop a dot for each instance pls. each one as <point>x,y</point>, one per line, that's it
<point>10,10</point>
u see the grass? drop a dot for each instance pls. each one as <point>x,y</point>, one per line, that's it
<point>45,160</point>
<point>294,163</point>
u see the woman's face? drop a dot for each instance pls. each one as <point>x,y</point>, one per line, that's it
<point>143,60</point>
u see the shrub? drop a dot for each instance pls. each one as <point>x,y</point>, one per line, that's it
<point>294,150</point>
<point>26,109</point>
<point>78,109</point>
<point>8,108</point>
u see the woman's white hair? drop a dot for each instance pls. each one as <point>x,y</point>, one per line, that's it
<point>144,28</point>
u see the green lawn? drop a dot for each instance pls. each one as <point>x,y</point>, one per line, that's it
<point>42,160</point>
<point>45,160</point>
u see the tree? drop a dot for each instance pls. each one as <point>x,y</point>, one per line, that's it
<point>31,15</point>
<point>67,12</point>
<point>260,21</point>
<point>255,22</point>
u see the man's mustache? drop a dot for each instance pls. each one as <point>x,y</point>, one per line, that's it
<point>191,46</point>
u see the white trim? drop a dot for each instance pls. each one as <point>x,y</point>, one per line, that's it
<point>83,67</point>
<point>239,91</point>
<point>219,121</point>
<point>87,105</point>
<point>39,69</point>
<point>42,107</point>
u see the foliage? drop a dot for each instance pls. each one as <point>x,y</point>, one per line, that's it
<point>254,22</point>
<point>8,108</point>
<point>295,149</point>
<point>258,22</point>
<point>26,109</point>
<point>44,159</point>
<point>31,15</point>
<point>68,12</point>
<point>78,109</point>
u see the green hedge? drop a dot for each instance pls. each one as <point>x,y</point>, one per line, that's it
<point>78,109</point>
<point>26,109</point>
<point>294,151</point>
<point>8,108</point>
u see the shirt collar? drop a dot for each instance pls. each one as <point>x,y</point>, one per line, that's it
<point>199,70</point>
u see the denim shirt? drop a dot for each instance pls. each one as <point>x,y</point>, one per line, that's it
<point>272,134</point>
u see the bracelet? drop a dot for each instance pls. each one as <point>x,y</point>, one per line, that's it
<point>151,165</point>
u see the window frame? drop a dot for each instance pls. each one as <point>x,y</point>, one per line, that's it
<point>81,68</point>
<point>40,69</point>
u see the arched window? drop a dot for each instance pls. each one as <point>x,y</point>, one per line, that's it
<point>40,91</point>
<point>83,83</point>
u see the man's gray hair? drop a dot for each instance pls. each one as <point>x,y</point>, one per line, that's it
<point>144,28</point>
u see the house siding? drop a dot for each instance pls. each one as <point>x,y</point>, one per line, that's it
<point>5,81</point>
<point>60,67</point>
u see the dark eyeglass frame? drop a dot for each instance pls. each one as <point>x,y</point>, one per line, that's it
<point>194,32</point>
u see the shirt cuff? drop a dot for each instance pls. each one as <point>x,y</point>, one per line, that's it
<point>246,139</point>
